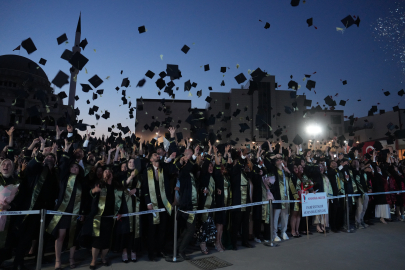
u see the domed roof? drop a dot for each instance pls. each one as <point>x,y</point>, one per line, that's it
<point>22,64</point>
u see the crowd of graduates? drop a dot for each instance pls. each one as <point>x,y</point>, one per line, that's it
<point>97,182</point>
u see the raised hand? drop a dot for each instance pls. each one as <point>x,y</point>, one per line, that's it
<point>10,131</point>
<point>96,189</point>
<point>196,150</point>
<point>227,148</point>
<point>172,131</point>
<point>42,140</point>
<point>173,155</point>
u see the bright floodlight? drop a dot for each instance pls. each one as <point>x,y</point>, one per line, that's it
<point>313,129</point>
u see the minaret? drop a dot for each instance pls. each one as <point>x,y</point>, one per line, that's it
<point>74,71</point>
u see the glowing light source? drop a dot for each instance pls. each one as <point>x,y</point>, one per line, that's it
<point>313,129</point>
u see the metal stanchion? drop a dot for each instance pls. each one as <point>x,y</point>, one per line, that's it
<point>271,243</point>
<point>347,213</point>
<point>174,257</point>
<point>41,239</point>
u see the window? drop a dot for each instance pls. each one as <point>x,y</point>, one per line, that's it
<point>336,119</point>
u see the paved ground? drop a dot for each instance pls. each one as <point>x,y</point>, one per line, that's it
<point>377,247</point>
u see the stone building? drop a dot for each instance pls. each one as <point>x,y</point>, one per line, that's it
<point>20,81</point>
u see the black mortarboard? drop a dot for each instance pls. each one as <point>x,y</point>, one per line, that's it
<point>206,67</point>
<point>240,78</point>
<point>329,101</point>
<point>342,102</point>
<point>42,61</point>
<point>185,49</point>
<point>162,74</point>
<point>199,93</point>
<point>141,83</point>
<point>62,39</point>
<point>67,55</point>
<point>307,103</point>
<point>382,111</point>
<point>278,132</point>
<point>96,81</point>
<point>348,21</point>
<point>378,146</point>
<point>194,84</point>
<point>94,96</point>
<point>106,115</point>
<point>187,85</point>
<point>243,127</point>
<point>95,108</point>
<point>267,25</point>
<point>149,74</point>
<point>295,3</point>
<point>387,93</point>
<point>125,130</point>
<point>401,92</point>
<point>83,43</point>
<point>236,113</point>
<point>310,22</point>
<point>29,45</point>
<point>293,85</point>
<point>160,83</point>
<point>223,69</point>
<point>396,108</point>
<point>223,83</point>
<point>310,84</point>
<point>257,75</point>
<point>60,79</point>
<point>78,60</point>
<point>125,82</point>
<point>81,126</point>
<point>62,95</point>
<point>100,91</point>
<point>85,87</point>
<point>141,29</point>
<point>357,22</point>
<point>298,140</point>
<point>208,99</point>
<point>284,138</point>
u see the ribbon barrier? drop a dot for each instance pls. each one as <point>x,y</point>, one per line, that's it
<point>224,208</point>
<point>18,213</point>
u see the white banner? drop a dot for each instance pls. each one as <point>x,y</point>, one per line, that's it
<point>314,204</point>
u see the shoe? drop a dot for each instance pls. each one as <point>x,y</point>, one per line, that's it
<point>357,226</point>
<point>247,245</point>
<point>133,257</point>
<point>106,263</point>
<point>257,240</point>
<point>218,248</point>
<point>266,241</point>
<point>277,239</point>
<point>368,222</point>
<point>295,235</point>
<point>92,267</point>
<point>125,258</point>
<point>319,230</point>
<point>184,256</point>
<point>152,258</point>
<point>72,265</point>
<point>285,236</point>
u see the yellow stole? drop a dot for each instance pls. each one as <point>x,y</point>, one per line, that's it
<point>265,207</point>
<point>152,193</point>
<point>38,186</point>
<point>243,190</point>
<point>66,199</point>
<point>194,199</point>
<point>208,200</point>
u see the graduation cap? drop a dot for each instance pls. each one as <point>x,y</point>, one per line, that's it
<point>29,45</point>
<point>187,85</point>
<point>194,84</point>
<point>42,61</point>
<point>106,115</point>
<point>141,29</point>
<point>310,84</point>
<point>344,82</point>
<point>240,78</point>
<point>185,49</point>
<point>125,82</point>
<point>236,113</point>
<point>60,79</point>
<point>243,127</point>
<point>348,21</point>
<point>208,99</point>
<point>206,67</point>
<point>378,146</point>
<point>310,22</point>
<point>395,108</point>
<point>307,103</point>
<point>62,95</point>
<point>85,87</point>
<point>149,74</point>
<point>329,101</point>
<point>284,138</point>
<point>401,92</point>
<point>83,43</point>
<point>67,55</point>
<point>223,69</point>
<point>81,126</point>
<point>287,110</point>
<point>387,93</point>
<point>357,22</point>
<point>100,91</point>
<point>295,3</point>
<point>257,75</point>
<point>382,111</point>
<point>342,103</point>
<point>62,39</point>
<point>293,85</point>
<point>267,25</point>
<point>94,96</point>
<point>160,83</point>
<point>95,108</point>
<point>278,132</point>
<point>78,60</point>
<point>125,130</point>
<point>96,81</point>
<point>298,140</point>
<point>223,83</point>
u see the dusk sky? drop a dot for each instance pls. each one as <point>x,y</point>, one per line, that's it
<point>224,33</point>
